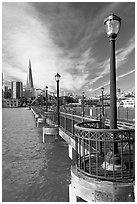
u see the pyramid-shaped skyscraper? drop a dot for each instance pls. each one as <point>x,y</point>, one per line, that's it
<point>29,89</point>
<point>29,77</point>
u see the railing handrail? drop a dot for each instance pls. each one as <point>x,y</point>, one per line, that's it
<point>77,126</point>
<point>120,124</point>
<point>107,121</point>
<point>76,116</point>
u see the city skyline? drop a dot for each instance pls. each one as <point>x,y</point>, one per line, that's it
<point>68,38</point>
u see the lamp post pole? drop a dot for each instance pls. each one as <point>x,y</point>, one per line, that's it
<point>113,105</point>
<point>71,100</point>
<point>41,99</point>
<point>58,103</point>
<point>64,101</point>
<point>102,89</point>
<point>46,98</point>
<point>83,104</point>
<point>112,24</point>
<point>57,78</point>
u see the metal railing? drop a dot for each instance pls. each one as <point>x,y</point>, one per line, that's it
<point>68,120</point>
<point>71,117</point>
<point>126,114</point>
<point>95,148</point>
<point>95,154</point>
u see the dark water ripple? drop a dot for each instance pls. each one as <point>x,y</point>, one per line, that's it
<point>32,171</point>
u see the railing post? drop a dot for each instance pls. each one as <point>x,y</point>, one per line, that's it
<point>127,112</point>
<point>60,120</point>
<point>118,113</point>
<point>72,123</point>
<point>76,149</point>
<point>101,146</point>
<point>65,119</point>
<point>96,112</point>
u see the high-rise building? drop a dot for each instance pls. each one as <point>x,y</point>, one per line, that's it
<point>29,77</point>
<point>29,89</point>
<point>6,92</point>
<point>2,85</point>
<point>16,89</point>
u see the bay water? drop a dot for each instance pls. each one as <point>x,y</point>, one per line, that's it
<point>32,171</point>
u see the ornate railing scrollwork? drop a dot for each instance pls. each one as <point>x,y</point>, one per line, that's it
<point>96,154</point>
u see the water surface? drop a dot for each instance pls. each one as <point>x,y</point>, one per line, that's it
<point>31,170</point>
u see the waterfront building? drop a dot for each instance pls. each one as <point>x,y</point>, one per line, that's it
<point>10,103</point>
<point>2,85</point>
<point>16,89</point>
<point>5,92</point>
<point>29,92</point>
<point>128,103</point>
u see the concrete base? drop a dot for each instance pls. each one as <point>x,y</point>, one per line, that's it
<point>40,121</point>
<point>52,131</point>
<point>93,190</point>
<point>71,143</point>
<point>72,195</point>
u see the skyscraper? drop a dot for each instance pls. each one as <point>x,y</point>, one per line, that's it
<point>29,77</point>
<point>29,89</point>
<point>16,89</point>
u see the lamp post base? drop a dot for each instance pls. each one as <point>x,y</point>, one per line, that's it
<point>112,162</point>
<point>112,167</point>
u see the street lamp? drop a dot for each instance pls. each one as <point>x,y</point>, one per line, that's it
<point>112,25</point>
<point>46,88</point>
<point>64,100</point>
<point>41,99</point>
<point>102,89</point>
<point>83,104</point>
<point>57,78</point>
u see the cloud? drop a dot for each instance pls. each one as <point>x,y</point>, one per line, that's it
<point>125,74</point>
<point>103,68</point>
<point>30,38</point>
<point>108,82</point>
<point>123,53</point>
<point>57,37</point>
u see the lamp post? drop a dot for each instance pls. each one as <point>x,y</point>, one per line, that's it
<point>46,88</point>
<point>57,78</point>
<point>112,25</point>
<point>41,99</point>
<point>64,100</point>
<point>83,104</point>
<point>71,100</point>
<point>102,89</point>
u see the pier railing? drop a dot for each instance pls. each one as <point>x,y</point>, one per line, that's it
<point>95,146</point>
<point>68,120</point>
<point>95,152</point>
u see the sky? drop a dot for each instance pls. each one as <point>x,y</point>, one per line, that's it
<point>68,38</point>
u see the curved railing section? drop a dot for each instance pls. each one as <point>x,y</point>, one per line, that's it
<point>106,154</point>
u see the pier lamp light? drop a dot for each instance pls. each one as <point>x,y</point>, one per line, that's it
<point>112,24</point>
<point>46,88</point>
<point>57,78</point>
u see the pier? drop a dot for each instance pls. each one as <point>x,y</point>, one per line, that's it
<point>82,102</point>
<point>98,173</point>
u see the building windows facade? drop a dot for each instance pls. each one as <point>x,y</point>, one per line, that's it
<point>16,89</point>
